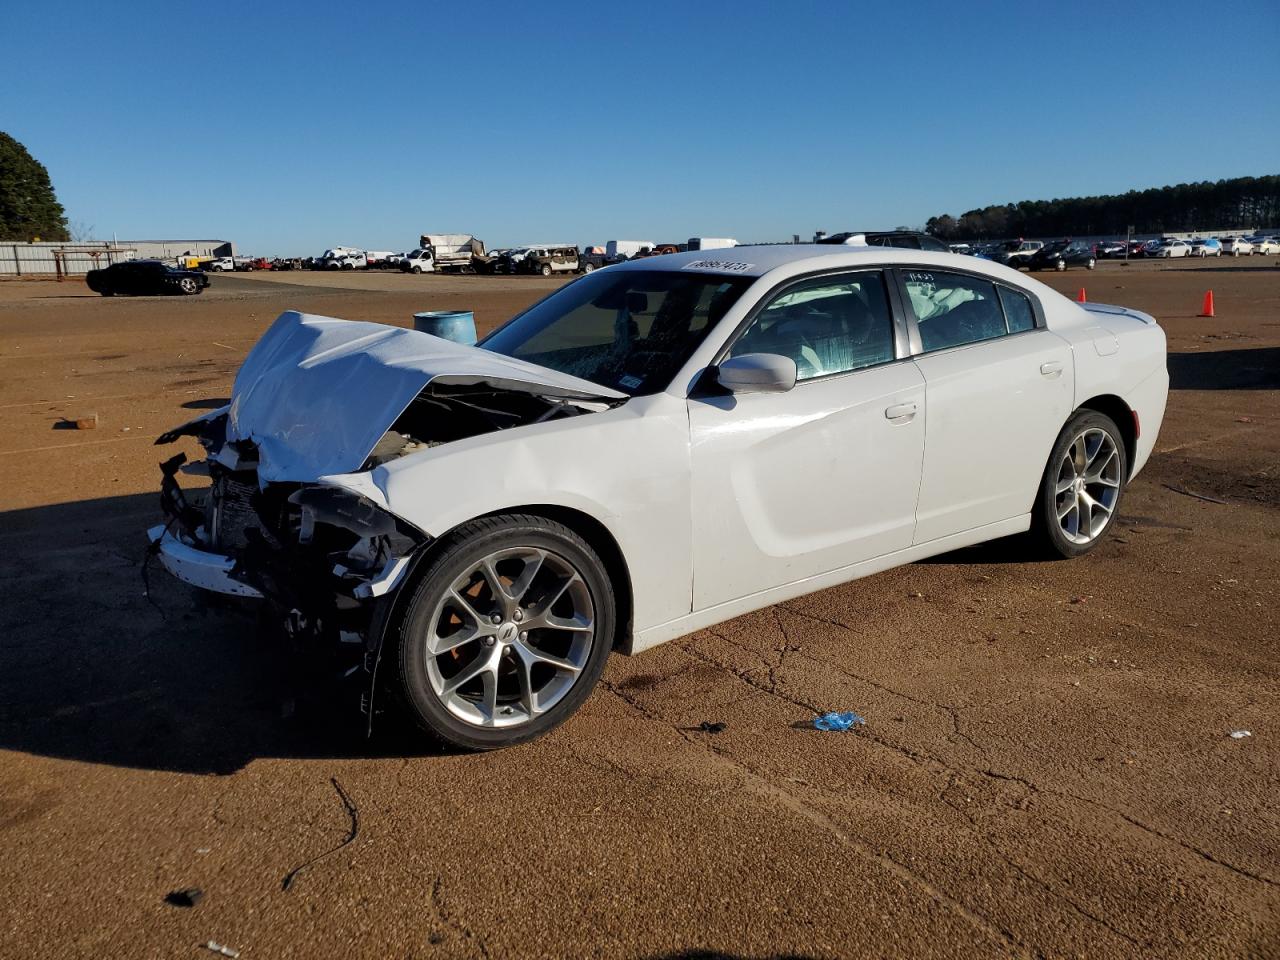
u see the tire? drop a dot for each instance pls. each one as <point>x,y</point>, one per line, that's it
<point>1060,527</point>
<point>546,269</point>
<point>502,657</point>
<point>416,270</point>
<point>1060,266</point>
<point>1090,263</point>
<point>188,286</point>
<point>588,267</point>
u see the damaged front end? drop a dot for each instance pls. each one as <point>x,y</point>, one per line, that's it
<point>326,560</point>
<point>317,402</point>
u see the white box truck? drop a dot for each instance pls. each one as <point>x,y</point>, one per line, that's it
<point>616,250</point>
<point>711,243</point>
<point>446,251</point>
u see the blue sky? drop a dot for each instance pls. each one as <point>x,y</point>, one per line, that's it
<point>293,127</point>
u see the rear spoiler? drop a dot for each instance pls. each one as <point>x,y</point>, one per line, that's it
<point>1110,309</point>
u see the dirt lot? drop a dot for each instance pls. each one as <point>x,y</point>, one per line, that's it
<point>1046,768</point>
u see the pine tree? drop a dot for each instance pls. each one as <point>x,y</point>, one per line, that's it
<point>28,206</point>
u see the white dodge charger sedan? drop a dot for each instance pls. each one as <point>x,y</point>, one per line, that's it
<point>654,448</point>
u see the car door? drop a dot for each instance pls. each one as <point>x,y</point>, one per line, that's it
<point>787,486</point>
<point>999,387</point>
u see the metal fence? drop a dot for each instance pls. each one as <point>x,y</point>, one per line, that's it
<point>59,259</point>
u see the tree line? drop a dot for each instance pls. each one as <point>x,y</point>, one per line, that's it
<point>1240,203</point>
<point>28,207</point>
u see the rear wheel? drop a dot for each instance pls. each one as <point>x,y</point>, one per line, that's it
<point>1082,485</point>
<point>506,634</point>
<point>588,266</point>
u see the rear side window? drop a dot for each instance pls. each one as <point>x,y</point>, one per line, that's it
<point>952,309</point>
<point>827,325</point>
<point>1017,310</point>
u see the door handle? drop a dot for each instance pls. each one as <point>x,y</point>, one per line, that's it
<point>900,412</point>
<point>1052,369</point>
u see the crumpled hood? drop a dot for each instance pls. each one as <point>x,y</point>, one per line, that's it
<point>315,394</point>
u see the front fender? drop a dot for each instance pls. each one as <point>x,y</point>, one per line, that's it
<point>627,468</point>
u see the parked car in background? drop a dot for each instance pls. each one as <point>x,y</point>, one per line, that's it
<point>1167,249</point>
<point>347,260</point>
<point>906,239</point>
<point>378,259</point>
<point>145,278</point>
<point>1137,248</point>
<point>551,259</point>
<point>1110,249</point>
<point>591,258</point>
<point>1237,246</point>
<point>660,250</point>
<point>1016,253</point>
<point>220,265</point>
<point>1266,245</point>
<point>1206,247</point>
<point>647,452</point>
<point>286,263</point>
<point>1062,254</point>
<point>418,261</point>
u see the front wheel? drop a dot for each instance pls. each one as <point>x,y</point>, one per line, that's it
<point>1081,487</point>
<point>506,634</point>
<point>1060,265</point>
<point>188,286</point>
<point>416,270</point>
<point>1090,263</point>
<point>546,269</point>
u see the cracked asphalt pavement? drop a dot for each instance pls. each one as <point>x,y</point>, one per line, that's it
<point>1046,769</point>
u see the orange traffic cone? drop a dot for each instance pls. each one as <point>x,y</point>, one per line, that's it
<point>1207,310</point>
<point>1080,297</point>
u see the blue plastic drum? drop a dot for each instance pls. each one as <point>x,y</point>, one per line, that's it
<point>456,325</point>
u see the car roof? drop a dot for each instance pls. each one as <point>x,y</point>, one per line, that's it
<point>789,259</point>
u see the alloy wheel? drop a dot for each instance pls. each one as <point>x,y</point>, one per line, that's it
<point>1087,485</point>
<point>510,637</point>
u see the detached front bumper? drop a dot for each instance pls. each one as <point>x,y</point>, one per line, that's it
<point>200,568</point>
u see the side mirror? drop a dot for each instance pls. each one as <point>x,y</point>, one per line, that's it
<point>757,373</point>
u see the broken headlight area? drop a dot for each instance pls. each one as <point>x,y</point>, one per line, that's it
<point>327,560</point>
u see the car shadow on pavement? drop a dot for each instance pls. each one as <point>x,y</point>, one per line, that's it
<point>1244,369</point>
<point>93,670</point>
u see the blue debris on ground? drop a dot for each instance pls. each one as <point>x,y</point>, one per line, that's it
<point>839,721</point>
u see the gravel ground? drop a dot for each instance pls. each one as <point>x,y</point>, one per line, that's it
<point>1046,769</point>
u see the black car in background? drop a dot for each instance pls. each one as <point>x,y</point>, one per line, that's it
<point>907,239</point>
<point>142,278</point>
<point>1062,254</point>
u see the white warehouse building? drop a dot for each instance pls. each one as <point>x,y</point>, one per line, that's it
<point>52,258</point>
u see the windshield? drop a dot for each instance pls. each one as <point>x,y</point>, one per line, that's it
<point>631,330</point>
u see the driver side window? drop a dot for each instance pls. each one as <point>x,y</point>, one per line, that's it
<point>827,325</point>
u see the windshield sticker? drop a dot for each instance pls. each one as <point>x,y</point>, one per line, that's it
<point>728,266</point>
<point>630,382</point>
